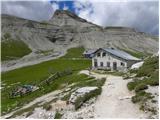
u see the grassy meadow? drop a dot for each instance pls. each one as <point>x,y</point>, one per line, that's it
<point>13,49</point>
<point>36,73</point>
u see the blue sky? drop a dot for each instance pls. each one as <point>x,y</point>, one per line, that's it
<point>62,4</point>
<point>142,15</point>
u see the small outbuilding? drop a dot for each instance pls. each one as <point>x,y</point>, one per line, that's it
<point>112,59</point>
<point>88,53</point>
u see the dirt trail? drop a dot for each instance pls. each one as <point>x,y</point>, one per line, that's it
<point>115,100</point>
<point>43,99</point>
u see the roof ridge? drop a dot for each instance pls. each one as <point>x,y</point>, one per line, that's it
<point>120,53</point>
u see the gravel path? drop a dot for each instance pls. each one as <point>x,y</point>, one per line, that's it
<point>115,100</point>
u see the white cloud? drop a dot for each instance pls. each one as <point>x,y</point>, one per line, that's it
<point>34,10</point>
<point>65,7</point>
<point>142,15</point>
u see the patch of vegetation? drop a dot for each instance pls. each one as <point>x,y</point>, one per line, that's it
<point>13,49</point>
<point>37,73</point>
<point>74,53</point>
<point>149,72</point>
<point>87,82</point>
<point>131,85</point>
<point>47,107</point>
<point>7,36</point>
<point>141,96</point>
<point>67,96</point>
<point>140,87</point>
<point>148,68</point>
<point>58,115</point>
<point>133,70</point>
<point>44,23</point>
<point>44,52</point>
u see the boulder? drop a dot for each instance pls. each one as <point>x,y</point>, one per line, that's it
<point>80,93</point>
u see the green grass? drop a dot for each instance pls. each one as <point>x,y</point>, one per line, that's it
<point>74,53</point>
<point>150,71</point>
<point>36,73</point>
<point>150,65</point>
<point>13,49</point>
<point>140,87</point>
<point>45,52</point>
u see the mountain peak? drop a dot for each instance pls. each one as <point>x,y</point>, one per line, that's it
<point>66,13</point>
<point>62,12</point>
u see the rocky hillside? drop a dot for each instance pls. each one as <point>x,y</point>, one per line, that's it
<point>65,30</point>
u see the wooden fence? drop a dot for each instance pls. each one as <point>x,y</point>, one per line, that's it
<point>54,76</point>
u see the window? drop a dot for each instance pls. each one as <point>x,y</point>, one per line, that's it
<point>108,64</point>
<point>122,64</point>
<point>98,54</point>
<point>104,54</point>
<point>101,64</point>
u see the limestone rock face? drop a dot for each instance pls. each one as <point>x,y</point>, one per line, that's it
<point>65,30</point>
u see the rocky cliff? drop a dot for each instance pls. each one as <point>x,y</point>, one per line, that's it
<point>65,30</point>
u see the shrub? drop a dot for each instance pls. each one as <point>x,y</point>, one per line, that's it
<point>47,107</point>
<point>141,96</point>
<point>44,23</point>
<point>131,85</point>
<point>153,82</point>
<point>126,76</point>
<point>7,35</point>
<point>58,115</point>
<point>140,87</point>
<point>133,71</point>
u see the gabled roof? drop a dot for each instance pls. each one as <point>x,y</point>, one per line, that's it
<point>120,53</point>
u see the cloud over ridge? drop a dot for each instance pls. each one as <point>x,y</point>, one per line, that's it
<point>143,15</point>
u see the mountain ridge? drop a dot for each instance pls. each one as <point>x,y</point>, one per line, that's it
<point>65,30</point>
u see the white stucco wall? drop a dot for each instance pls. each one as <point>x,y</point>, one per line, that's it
<point>108,58</point>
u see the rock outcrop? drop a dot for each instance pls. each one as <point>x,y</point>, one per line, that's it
<point>81,92</point>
